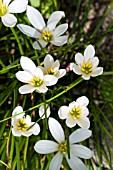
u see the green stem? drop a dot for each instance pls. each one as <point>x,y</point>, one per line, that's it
<point>12,149</point>
<point>38,61</point>
<point>45,113</point>
<point>25,152</point>
<point>107,73</point>
<point>18,154</point>
<point>75,83</point>
<point>18,41</point>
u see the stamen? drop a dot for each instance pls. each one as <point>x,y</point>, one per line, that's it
<point>47,35</point>
<point>63,147</point>
<point>86,67</point>
<point>21,124</point>
<point>3,9</point>
<point>36,81</point>
<point>51,71</point>
<point>75,112</point>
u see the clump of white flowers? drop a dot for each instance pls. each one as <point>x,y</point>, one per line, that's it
<point>22,125</point>
<point>44,33</point>
<point>51,67</point>
<point>60,146</point>
<point>7,8</point>
<point>87,65</point>
<point>76,113</point>
<point>33,77</point>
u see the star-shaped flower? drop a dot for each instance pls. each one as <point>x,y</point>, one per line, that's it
<point>76,113</point>
<point>21,124</point>
<point>44,33</point>
<point>76,151</point>
<point>33,77</point>
<point>7,8</point>
<point>87,65</point>
<point>51,67</point>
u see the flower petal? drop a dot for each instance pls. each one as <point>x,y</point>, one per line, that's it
<point>35,18</point>
<point>70,122</point>
<point>79,58</point>
<point>39,45</point>
<point>81,151</point>
<point>54,18</point>
<point>56,130</point>
<point>27,64</point>
<point>63,112</point>
<point>61,73</point>
<point>26,133</point>
<point>45,146</point>
<point>50,80</point>
<point>38,73</point>
<point>17,110</point>
<point>56,161</point>
<point>80,135</point>
<point>56,65</point>
<point>41,111</point>
<point>17,6</point>
<point>16,132</point>
<point>6,2</point>
<point>60,29</point>
<point>83,122</point>
<point>28,120</point>
<point>35,129</point>
<point>59,41</point>
<point>85,111</point>
<point>76,69</point>
<point>95,62</point>
<point>48,61</point>
<point>28,30</point>
<point>24,76</point>
<point>25,89</point>
<point>89,52</point>
<point>75,163</point>
<point>86,76</point>
<point>98,71</point>
<point>9,20</point>
<point>83,101</point>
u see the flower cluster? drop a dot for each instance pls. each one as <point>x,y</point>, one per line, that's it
<point>40,77</point>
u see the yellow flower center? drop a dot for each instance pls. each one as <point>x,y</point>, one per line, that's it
<point>21,124</point>
<point>47,35</point>
<point>3,9</point>
<point>63,147</point>
<point>36,81</point>
<point>51,71</point>
<point>86,67</point>
<point>75,112</point>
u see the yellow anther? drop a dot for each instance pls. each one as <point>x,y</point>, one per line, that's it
<point>36,81</point>
<point>86,67</point>
<point>63,147</point>
<point>51,71</point>
<point>47,35</point>
<point>3,9</point>
<point>75,112</point>
<point>21,124</point>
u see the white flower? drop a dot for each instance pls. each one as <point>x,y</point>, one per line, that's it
<point>76,113</point>
<point>34,77</point>
<point>76,151</point>
<point>41,111</point>
<point>51,67</point>
<point>7,8</point>
<point>21,123</point>
<point>87,65</point>
<point>44,33</point>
